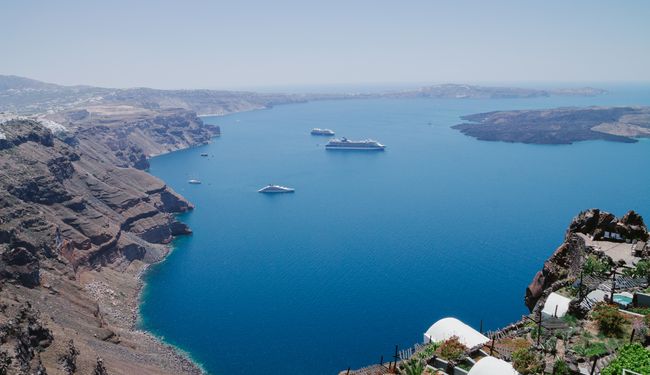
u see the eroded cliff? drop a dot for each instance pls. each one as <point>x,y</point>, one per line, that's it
<point>79,221</point>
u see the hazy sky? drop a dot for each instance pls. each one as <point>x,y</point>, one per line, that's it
<point>242,43</point>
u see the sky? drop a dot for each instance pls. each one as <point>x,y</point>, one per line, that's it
<point>263,43</point>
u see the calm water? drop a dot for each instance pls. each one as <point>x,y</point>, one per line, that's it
<point>373,247</point>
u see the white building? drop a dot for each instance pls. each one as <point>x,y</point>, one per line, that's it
<point>556,303</point>
<point>445,328</point>
<point>492,366</point>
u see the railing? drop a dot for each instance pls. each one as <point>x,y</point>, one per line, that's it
<point>370,370</point>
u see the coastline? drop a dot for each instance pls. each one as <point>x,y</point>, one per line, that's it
<point>119,294</point>
<point>179,357</point>
<point>122,310</point>
<point>182,356</point>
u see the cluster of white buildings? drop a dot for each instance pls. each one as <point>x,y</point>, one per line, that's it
<point>447,328</point>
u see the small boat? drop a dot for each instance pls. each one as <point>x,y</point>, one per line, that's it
<point>275,189</point>
<point>194,182</point>
<point>204,154</point>
<point>317,131</point>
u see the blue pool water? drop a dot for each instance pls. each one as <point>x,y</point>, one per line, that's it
<point>373,247</point>
<point>622,299</point>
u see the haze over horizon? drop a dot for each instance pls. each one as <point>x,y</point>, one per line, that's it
<point>255,44</point>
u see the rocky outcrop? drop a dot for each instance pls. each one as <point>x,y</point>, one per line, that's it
<point>18,264</point>
<point>561,265</point>
<point>76,203</point>
<point>22,339</point>
<point>566,261</point>
<point>560,125</point>
<point>595,223</point>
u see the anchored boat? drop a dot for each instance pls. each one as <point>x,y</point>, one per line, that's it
<point>271,189</point>
<point>318,131</point>
<point>346,144</point>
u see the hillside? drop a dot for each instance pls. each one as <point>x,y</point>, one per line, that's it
<point>26,96</point>
<point>79,222</point>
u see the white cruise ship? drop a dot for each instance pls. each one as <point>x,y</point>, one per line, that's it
<point>317,131</point>
<point>275,189</point>
<point>346,144</point>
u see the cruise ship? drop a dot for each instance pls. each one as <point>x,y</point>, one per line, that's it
<point>346,144</point>
<point>317,131</point>
<point>275,189</point>
<point>194,182</point>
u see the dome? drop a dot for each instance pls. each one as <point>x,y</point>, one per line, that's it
<point>492,366</point>
<point>445,328</point>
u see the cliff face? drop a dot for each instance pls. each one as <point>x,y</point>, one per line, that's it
<point>131,134</point>
<point>79,219</point>
<point>567,260</point>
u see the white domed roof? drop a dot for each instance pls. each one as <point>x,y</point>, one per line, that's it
<point>445,328</point>
<point>492,366</point>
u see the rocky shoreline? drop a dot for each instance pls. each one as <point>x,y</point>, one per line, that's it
<point>125,312</point>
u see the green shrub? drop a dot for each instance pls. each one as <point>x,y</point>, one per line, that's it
<point>571,320</point>
<point>590,350</point>
<point>632,357</point>
<point>526,361</point>
<point>429,350</point>
<point>642,269</point>
<point>595,266</point>
<point>640,310</point>
<point>561,368</point>
<point>610,321</point>
<point>452,349</point>
<point>413,367</point>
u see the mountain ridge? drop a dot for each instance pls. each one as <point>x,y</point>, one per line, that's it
<point>26,96</point>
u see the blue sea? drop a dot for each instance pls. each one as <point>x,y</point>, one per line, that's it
<point>373,247</point>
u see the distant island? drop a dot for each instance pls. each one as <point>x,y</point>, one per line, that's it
<point>24,96</point>
<point>559,125</point>
<point>455,91</point>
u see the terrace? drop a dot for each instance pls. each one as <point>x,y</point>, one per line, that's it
<point>594,323</point>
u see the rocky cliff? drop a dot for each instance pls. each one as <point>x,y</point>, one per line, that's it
<point>79,221</point>
<point>567,260</point>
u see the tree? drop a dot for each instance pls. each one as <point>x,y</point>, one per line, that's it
<point>642,269</point>
<point>595,266</point>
